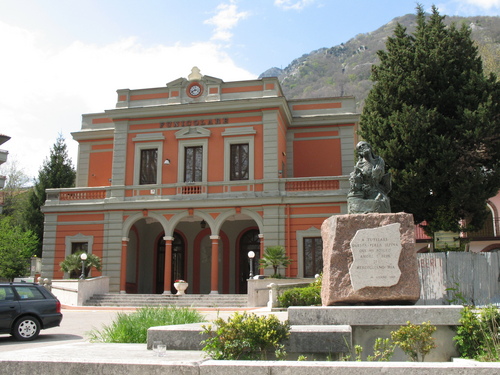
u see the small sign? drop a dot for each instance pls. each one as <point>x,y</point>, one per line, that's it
<point>444,240</point>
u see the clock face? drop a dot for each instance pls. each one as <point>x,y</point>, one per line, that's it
<point>195,90</point>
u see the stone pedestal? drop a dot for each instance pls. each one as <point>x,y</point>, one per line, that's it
<point>369,259</point>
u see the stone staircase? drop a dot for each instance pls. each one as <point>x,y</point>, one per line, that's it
<point>186,300</point>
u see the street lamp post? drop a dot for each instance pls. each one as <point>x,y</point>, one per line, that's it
<point>251,255</point>
<point>83,257</point>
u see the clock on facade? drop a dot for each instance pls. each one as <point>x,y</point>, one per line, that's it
<point>194,90</point>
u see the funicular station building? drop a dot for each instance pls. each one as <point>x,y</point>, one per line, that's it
<point>182,181</point>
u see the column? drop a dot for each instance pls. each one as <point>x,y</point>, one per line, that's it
<point>167,275</point>
<point>123,266</point>
<point>214,281</point>
<point>261,238</point>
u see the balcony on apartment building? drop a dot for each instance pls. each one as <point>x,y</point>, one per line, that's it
<point>3,156</point>
<point>280,187</point>
<point>3,159</point>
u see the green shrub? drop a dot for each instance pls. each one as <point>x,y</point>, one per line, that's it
<point>308,296</point>
<point>383,350</point>
<point>246,336</point>
<point>477,336</point>
<point>415,340</point>
<point>133,327</point>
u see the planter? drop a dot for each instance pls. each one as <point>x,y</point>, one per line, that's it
<point>181,287</point>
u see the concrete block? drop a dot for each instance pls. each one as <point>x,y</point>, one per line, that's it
<point>445,350</point>
<point>178,337</point>
<point>371,322</point>
<point>235,368</point>
<point>374,315</point>
<point>319,339</point>
<point>343,368</point>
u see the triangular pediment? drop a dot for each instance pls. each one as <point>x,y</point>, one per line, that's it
<point>193,132</point>
<point>179,82</point>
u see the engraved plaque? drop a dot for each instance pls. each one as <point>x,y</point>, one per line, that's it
<point>376,254</point>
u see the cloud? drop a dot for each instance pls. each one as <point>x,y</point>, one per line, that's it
<point>45,91</point>
<point>293,4</point>
<point>227,18</point>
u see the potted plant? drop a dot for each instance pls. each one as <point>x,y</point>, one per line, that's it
<point>181,286</point>
<point>72,264</point>
<point>274,256</point>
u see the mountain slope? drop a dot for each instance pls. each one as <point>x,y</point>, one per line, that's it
<point>344,70</point>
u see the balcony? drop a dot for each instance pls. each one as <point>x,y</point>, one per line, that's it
<point>283,187</point>
<point>3,156</point>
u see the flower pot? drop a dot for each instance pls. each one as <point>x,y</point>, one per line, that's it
<point>181,287</point>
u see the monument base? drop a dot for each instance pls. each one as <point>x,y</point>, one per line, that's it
<point>369,259</point>
<point>367,323</point>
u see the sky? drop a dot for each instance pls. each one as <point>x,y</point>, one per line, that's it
<point>65,58</point>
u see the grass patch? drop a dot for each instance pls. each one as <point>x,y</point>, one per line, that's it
<point>133,328</point>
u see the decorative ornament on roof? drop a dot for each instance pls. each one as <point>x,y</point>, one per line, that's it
<point>195,74</point>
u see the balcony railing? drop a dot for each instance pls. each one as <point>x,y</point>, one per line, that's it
<point>191,189</point>
<point>312,185</point>
<point>205,190</point>
<point>82,195</point>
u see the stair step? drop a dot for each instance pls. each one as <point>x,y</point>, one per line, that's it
<point>187,300</point>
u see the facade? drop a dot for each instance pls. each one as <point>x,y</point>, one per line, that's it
<point>182,181</point>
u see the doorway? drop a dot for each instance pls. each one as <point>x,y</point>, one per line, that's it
<point>249,241</point>
<point>178,261</point>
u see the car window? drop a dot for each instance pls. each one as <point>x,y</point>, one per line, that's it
<point>28,293</point>
<point>6,293</point>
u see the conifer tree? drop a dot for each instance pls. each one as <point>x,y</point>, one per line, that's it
<point>434,117</point>
<point>57,172</point>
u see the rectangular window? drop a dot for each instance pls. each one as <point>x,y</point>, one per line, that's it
<point>79,246</point>
<point>6,293</point>
<point>313,256</point>
<point>193,164</point>
<point>148,167</point>
<point>29,292</point>
<point>239,167</point>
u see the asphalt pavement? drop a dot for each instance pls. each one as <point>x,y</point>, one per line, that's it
<point>78,322</point>
<point>74,328</point>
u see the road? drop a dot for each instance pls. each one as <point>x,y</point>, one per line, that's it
<point>73,328</point>
<point>77,323</point>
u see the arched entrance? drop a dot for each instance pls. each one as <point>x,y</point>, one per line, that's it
<point>249,241</point>
<point>178,262</point>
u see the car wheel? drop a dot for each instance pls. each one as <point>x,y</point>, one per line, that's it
<point>26,328</point>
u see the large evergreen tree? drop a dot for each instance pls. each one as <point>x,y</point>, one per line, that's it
<point>434,117</point>
<point>57,172</point>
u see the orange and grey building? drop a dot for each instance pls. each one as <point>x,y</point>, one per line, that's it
<point>182,181</point>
